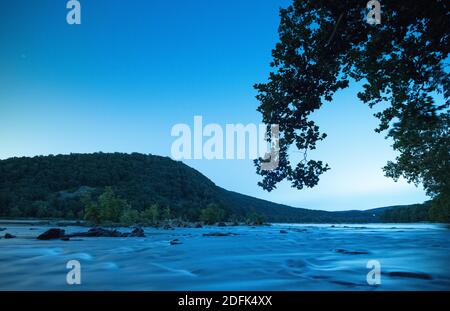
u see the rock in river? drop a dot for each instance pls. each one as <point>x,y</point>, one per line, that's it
<point>410,275</point>
<point>344,251</point>
<point>97,232</point>
<point>54,233</point>
<point>136,232</point>
<point>219,234</point>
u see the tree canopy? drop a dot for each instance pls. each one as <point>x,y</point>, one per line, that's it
<point>326,45</point>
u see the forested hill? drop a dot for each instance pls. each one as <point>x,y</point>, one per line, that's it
<point>62,186</point>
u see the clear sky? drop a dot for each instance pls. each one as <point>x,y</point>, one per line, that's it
<point>133,69</point>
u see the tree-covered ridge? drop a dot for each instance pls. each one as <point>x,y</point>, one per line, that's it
<point>127,188</point>
<point>41,186</point>
<point>110,187</point>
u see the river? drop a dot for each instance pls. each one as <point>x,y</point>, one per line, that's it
<point>276,257</point>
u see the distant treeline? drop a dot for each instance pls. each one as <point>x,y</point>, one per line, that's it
<point>109,208</point>
<point>433,211</point>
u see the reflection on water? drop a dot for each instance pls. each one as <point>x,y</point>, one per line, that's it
<point>322,257</point>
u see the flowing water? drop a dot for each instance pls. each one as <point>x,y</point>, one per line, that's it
<point>303,257</point>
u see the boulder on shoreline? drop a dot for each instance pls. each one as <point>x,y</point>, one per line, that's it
<point>97,232</point>
<point>101,232</point>
<point>53,233</point>
<point>136,232</point>
<point>56,233</point>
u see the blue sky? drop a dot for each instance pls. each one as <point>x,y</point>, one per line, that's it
<point>133,69</point>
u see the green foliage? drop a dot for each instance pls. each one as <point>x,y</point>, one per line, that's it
<point>111,206</point>
<point>151,214</point>
<point>108,208</point>
<point>423,143</point>
<point>15,212</point>
<point>323,45</point>
<point>436,210</point>
<point>413,213</point>
<point>255,218</point>
<point>165,213</point>
<point>212,214</point>
<point>91,210</point>
<point>41,208</point>
<point>130,217</point>
<point>440,208</point>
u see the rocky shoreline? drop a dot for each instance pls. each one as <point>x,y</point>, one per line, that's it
<point>57,233</point>
<point>100,231</point>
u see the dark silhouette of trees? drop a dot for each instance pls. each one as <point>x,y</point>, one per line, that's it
<point>325,45</point>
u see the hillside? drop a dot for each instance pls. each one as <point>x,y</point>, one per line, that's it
<point>54,186</point>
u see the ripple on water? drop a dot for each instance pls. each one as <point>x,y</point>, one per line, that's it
<point>174,270</point>
<point>38,252</point>
<point>109,265</point>
<point>82,256</point>
<point>121,250</point>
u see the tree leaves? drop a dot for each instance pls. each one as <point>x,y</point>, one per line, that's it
<point>324,44</point>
